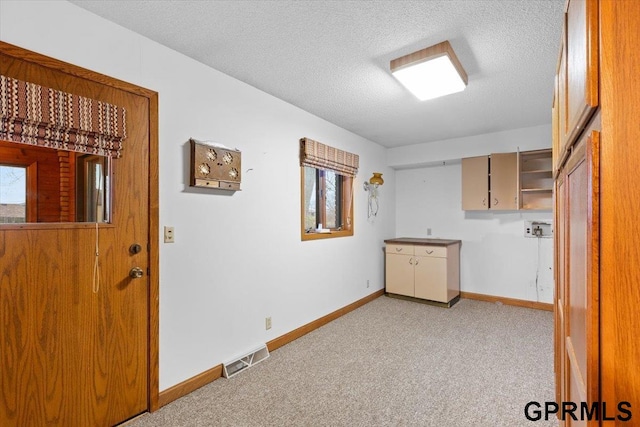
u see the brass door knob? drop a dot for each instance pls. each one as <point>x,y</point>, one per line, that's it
<point>136,273</point>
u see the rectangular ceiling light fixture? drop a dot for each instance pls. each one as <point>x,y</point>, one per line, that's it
<point>430,73</point>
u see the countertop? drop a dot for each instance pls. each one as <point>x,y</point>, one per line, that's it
<point>418,241</point>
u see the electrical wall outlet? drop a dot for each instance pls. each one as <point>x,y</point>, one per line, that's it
<point>267,323</point>
<point>538,229</point>
<point>168,235</point>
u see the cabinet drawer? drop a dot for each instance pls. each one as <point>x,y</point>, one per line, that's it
<point>399,249</point>
<point>431,251</point>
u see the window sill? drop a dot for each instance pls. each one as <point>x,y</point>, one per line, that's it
<point>331,235</point>
<point>54,225</point>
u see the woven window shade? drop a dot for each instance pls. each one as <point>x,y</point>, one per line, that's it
<point>321,156</point>
<point>38,115</point>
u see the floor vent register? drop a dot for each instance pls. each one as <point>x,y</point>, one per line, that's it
<point>240,363</point>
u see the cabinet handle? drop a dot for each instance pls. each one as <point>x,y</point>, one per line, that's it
<point>416,261</point>
<point>495,202</point>
<point>398,249</point>
<point>484,202</point>
<point>429,252</point>
<point>411,261</point>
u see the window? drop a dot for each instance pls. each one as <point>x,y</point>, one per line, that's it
<point>52,186</point>
<point>326,181</point>
<point>327,204</point>
<point>13,194</point>
<point>67,154</point>
<point>92,186</point>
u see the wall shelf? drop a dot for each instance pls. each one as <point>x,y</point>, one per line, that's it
<point>540,171</point>
<point>536,190</point>
<point>536,180</point>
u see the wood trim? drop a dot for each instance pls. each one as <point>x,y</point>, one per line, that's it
<point>154,257</point>
<point>74,70</point>
<point>593,267</point>
<point>333,234</point>
<point>508,301</point>
<point>182,389</point>
<point>305,329</point>
<point>192,384</point>
<point>153,276</point>
<point>619,199</point>
<point>54,226</point>
<point>32,192</point>
<point>302,212</point>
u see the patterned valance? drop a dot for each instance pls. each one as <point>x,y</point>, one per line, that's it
<point>318,155</point>
<point>38,115</point>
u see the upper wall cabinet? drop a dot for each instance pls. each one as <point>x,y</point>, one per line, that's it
<point>475,183</point>
<point>578,88</point>
<point>503,181</point>
<point>490,182</point>
<point>508,181</point>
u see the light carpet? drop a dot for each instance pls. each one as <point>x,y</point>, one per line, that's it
<point>389,363</point>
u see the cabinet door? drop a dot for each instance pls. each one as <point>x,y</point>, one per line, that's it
<point>555,128</point>
<point>431,278</point>
<point>475,183</point>
<point>399,274</point>
<point>581,287</point>
<point>562,100</point>
<point>559,308</point>
<point>504,181</point>
<point>581,65</point>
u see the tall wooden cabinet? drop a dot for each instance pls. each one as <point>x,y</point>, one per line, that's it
<point>597,210</point>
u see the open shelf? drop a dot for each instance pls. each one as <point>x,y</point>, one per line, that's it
<point>536,190</point>
<point>536,180</point>
<point>540,171</point>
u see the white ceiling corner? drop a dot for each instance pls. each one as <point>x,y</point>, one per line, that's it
<point>331,58</point>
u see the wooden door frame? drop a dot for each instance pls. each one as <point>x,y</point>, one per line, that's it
<point>153,367</point>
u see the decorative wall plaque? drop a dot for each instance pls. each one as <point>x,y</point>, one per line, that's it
<point>214,166</point>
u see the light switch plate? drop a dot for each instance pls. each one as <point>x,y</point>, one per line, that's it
<point>169,235</point>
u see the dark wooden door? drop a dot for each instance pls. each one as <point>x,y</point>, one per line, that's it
<point>71,354</point>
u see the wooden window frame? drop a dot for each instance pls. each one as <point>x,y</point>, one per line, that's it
<point>345,195</point>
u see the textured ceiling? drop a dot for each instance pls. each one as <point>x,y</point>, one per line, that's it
<point>331,58</point>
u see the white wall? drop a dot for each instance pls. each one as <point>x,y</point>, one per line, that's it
<point>411,156</point>
<point>237,258</point>
<point>496,258</point>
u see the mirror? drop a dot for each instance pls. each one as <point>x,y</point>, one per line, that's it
<point>39,184</point>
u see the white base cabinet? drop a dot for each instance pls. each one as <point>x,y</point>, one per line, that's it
<point>427,269</point>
